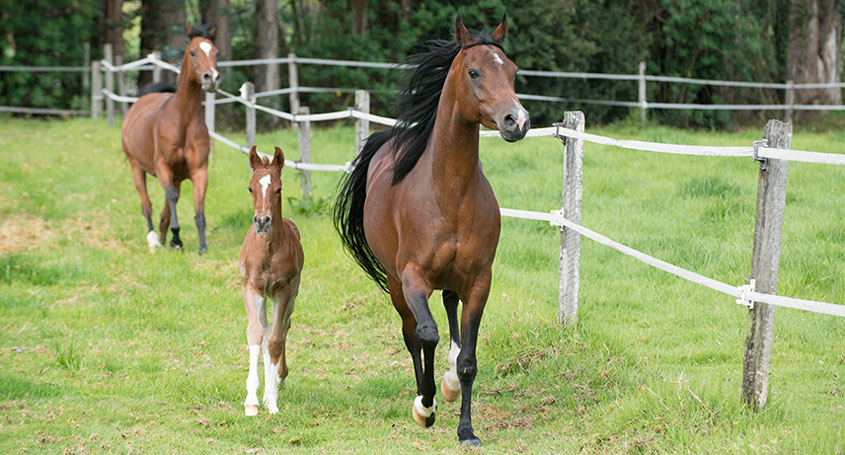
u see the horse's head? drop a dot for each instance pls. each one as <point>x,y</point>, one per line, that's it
<point>203,56</point>
<point>485,81</point>
<point>266,188</point>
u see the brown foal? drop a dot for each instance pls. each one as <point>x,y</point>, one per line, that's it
<point>271,262</point>
<point>164,134</point>
<point>418,214</point>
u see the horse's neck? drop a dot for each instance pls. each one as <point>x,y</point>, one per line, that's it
<point>453,147</point>
<point>188,99</point>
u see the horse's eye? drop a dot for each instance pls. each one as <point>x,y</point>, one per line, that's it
<point>250,189</point>
<point>278,191</point>
<point>473,73</point>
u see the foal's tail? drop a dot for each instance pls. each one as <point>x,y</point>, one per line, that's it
<point>349,210</point>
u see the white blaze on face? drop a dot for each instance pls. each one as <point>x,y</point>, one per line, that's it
<point>206,47</point>
<point>265,182</point>
<point>520,120</point>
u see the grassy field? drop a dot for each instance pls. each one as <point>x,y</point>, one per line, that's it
<point>106,348</point>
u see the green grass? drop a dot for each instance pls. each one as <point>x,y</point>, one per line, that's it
<point>105,347</point>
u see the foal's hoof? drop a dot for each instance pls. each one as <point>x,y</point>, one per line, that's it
<point>422,415</point>
<point>471,442</point>
<point>448,394</point>
<point>251,410</point>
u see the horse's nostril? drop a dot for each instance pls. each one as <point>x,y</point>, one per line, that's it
<point>206,76</point>
<point>510,121</point>
<point>255,219</point>
<point>266,220</point>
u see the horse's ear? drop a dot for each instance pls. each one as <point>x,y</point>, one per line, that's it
<point>501,30</point>
<point>279,158</point>
<point>190,29</point>
<point>213,33</point>
<point>462,35</point>
<point>254,160</point>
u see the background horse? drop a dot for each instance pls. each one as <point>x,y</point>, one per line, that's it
<point>271,262</point>
<point>418,214</point>
<point>164,134</point>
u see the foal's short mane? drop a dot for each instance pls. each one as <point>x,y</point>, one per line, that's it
<point>417,102</point>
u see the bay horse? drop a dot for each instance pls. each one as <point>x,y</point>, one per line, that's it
<point>164,134</point>
<point>417,213</point>
<point>271,262</point>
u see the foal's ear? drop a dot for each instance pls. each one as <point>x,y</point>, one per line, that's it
<point>501,30</point>
<point>254,160</point>
<point>279,158</point>
<point>462,35</point>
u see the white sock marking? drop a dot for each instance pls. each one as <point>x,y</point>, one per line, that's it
<point>152,240</point>
<point>252,378</point>
<point>422,410</point>
<point>451,376</point>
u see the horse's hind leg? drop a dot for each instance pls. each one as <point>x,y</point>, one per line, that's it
<point>409,329</point>
<point>200,182</point>
<point>450,387</point>
<point>140,179</point>
<point>168,214</point>
<point>256,313</point>
<point>416,292</point>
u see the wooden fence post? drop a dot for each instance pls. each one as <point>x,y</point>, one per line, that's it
<point>249,94</point>
<point>86,75</point>
<point>643,103</point>
<point>305,151</point>
<point>209,118</point>
<point>570,241</point>
<point>771,199</point>
<point>789,100</point>
<point>156,68</point>
<point>121,83</point>
<point>362,126</point>
<point>293,84</point>
<point>109,57</point>
<point>96,90</point>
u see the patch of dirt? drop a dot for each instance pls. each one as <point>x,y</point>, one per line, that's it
<point>92,230</point>
<point>22,232</point>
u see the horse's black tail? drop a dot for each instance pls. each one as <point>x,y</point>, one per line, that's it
<point>349,210</point>
<point>154,87</point>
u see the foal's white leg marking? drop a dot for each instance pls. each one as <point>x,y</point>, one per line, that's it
<point>252,380</point>
<point>271,371</point>
<point>422,410</point>
<point>451,376</point>
<point>152,240</point>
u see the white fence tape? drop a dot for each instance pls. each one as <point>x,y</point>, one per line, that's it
<point>659,147</point>
<point>801,155</point>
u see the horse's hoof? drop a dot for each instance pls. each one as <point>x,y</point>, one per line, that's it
<point>422,415</point>
<point>251,410</point>
<point>175,245</point>
<point>471,442</point>
<point>448,394</point>
<point>203,250</point>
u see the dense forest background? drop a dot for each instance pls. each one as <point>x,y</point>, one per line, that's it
<point>762,41</point>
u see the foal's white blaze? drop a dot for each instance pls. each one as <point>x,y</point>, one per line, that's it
<point>265,182</point>
<point>451,376</point>
<point>422,410</point>
<point>497,59</point>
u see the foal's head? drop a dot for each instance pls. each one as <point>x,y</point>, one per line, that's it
<point>485,81</point>
<point>203,56</point>
<point>266,188</point>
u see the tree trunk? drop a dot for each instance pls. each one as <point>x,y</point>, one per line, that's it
<point>407,9</point>
<point>359,13</point>
<point>815,49</point>
<point>114,26</point>
<point>216,13</point>
<point>163,28</point>
<point>267,46</point>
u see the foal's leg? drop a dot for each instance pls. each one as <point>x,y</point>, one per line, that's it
<point>416,292</point>
<point>256,313</point>
<point>171,197</point>
<point>473,308</point>
<point>140,179</point>
<point>450,387</point>
<point>409,328</point>
<point>275,364</point>
<point>200,182</point>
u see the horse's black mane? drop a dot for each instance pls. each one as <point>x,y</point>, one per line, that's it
<point>417,102</point>
<point>202,30</point>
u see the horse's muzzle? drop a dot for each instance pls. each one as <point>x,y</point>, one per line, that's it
<point>261,223</point>
<point>514,125</point>
<point>210,81</point>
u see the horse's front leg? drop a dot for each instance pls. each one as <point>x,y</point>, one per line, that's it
<point>416,292</point>
<point>256,313</point>
<point>275,364</point>
<point>200,182</point>
<point>171,197</point>
<point>475,299</point>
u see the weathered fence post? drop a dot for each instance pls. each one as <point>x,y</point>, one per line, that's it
<point>156,68</point>
<point>570,241</point>
<point>771,199</point>
<point>86,75</point>
<point>96,90</point>
<point>789,100</point>
<point>305,151</point>
<point>248,92</point>
<point>108,56</point>
<point>293,84</point>
<point>209,118</point>
<point>643,103</point>
<point>121,83</point>
<point>362,126</point>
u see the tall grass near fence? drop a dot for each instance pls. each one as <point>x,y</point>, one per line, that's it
<point>105,347</point>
